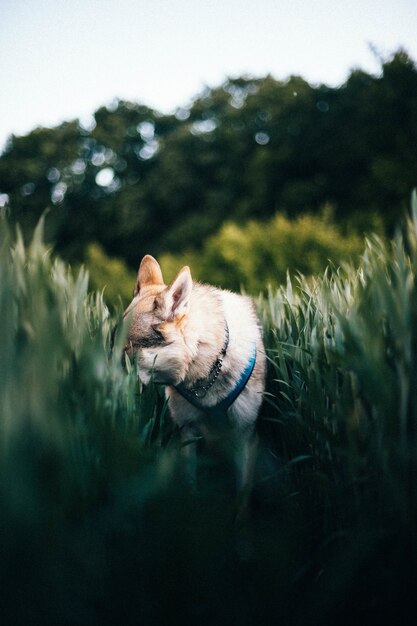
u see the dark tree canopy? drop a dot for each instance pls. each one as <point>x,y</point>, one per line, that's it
<point>142,182</point>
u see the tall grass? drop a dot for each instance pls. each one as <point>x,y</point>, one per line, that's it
<point>96,525</point>
<point>75,433</point>
<point>343,353</point>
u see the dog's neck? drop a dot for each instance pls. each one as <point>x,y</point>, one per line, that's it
<point>199,388</point>
<point>208,335</point>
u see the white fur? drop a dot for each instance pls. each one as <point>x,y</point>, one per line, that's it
<point>192,318</point>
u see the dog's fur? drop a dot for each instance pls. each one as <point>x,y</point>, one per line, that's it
<point>177,332</point>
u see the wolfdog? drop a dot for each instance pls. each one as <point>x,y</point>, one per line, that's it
<point>205,344</point>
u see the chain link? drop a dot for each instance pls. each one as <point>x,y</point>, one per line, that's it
<point>200,389</point>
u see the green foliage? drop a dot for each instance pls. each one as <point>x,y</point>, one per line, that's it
<point>110,274</point>
<point>257,255</point>
<point>141,182</point>
<point>74,430</point>
<point>343,351</point>
<point>96,525</point>
<point>345,357</point>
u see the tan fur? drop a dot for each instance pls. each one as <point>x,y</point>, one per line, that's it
<point>150,274</point>
<point>187,321</point>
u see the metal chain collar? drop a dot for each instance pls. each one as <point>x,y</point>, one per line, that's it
<point>201,388</point>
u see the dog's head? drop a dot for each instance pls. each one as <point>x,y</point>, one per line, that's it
<point>157,319</point>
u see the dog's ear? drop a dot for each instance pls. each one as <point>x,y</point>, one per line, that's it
<point>178,293</point>
<point>149,274</point>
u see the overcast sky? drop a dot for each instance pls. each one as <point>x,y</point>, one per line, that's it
<point>62,59</point>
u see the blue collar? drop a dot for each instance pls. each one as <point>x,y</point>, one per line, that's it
<point>220,409</point>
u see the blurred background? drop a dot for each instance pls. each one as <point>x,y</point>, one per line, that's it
<point>243,139</point>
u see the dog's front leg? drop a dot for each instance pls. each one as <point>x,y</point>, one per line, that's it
<point>189,436</point>
<point>187,418</point>
<point>245,449</point>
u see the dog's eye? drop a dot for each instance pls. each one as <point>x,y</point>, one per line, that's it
<point>157,333</point>
<point>155,338</point>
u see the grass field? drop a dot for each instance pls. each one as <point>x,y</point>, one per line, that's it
<point>96,524</point>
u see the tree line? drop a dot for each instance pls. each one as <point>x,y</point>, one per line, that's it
<point>136,181</point>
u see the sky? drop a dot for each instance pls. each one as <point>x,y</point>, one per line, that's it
<point>62,59</point>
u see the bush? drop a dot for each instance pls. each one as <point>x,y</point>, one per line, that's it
<point>109,274</point>
<point>256,255</point>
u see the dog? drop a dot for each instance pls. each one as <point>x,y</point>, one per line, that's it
<point>205,345</point>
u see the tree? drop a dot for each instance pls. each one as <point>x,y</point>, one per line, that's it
<point>141,182</point>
